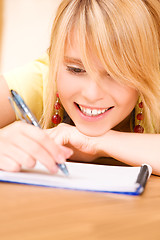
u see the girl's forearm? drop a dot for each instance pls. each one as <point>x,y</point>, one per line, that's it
<point>132,148</point>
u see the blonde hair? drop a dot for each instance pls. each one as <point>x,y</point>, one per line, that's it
<point>124,34</point>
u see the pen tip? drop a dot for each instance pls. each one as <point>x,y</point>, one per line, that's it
<point>63,169</point>
<point>66,172</point>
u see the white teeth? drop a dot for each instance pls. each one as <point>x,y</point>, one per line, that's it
<point>88,112</point>
<point>92,112</point>
<point>95,112</point>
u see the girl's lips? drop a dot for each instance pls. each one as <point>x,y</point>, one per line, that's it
<point>92,113</point>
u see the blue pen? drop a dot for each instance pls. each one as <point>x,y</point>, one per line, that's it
<point>30,118</point>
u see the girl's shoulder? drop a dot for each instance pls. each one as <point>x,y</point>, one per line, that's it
<point>28,81</point>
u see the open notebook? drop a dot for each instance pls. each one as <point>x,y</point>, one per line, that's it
<point>89,177</point>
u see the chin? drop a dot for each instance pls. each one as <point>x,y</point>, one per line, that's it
<point>90,132</point>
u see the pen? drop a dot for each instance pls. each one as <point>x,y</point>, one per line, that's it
<point>30,118</point>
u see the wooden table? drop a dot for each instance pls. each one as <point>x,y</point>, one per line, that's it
<point>39,213</point>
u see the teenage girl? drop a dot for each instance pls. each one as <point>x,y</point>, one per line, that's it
<point>97,90</point>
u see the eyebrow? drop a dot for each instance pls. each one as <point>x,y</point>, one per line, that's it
<point>73,60</point>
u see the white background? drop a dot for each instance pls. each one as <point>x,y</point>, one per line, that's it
<point>26,30</point>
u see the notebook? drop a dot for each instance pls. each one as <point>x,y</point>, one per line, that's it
<point>86,177</point>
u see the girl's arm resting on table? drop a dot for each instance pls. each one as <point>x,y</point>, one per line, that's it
<point>131,148</point>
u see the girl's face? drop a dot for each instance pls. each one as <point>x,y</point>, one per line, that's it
<point>95,106</point>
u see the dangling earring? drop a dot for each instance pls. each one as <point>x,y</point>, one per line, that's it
<point>138,128</point>
<point>56,118</point>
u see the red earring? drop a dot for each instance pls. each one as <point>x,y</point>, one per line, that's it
<point>56,118</point>
<point>138,128</point>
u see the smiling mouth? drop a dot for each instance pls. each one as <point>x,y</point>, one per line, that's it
<point>93,112</point>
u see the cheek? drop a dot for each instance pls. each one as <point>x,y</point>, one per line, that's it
<point>67,87</point>
<point>125,96</point>
<point>61,80</point>
<point>65,81</point>
<point>62,85</point>
<point>131,97</point>
<point>128,102</point>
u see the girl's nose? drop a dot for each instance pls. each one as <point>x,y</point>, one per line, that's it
<point>92,91</point>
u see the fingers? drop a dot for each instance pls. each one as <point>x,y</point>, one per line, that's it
<point>16,155</point>
<point>28,144</point>
<point>9,165</point>
<point>44,149</point>
<point>67,135</point>
<point>62,133</point>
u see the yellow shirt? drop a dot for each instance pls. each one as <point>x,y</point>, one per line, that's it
<point>28,81</point>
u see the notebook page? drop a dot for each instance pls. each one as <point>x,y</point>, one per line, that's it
<point>82,176</point>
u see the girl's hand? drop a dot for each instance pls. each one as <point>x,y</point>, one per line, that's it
<point>22,144</point>
<point>84,147</point>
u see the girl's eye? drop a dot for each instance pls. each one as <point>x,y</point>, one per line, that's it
<point>75,70</point>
